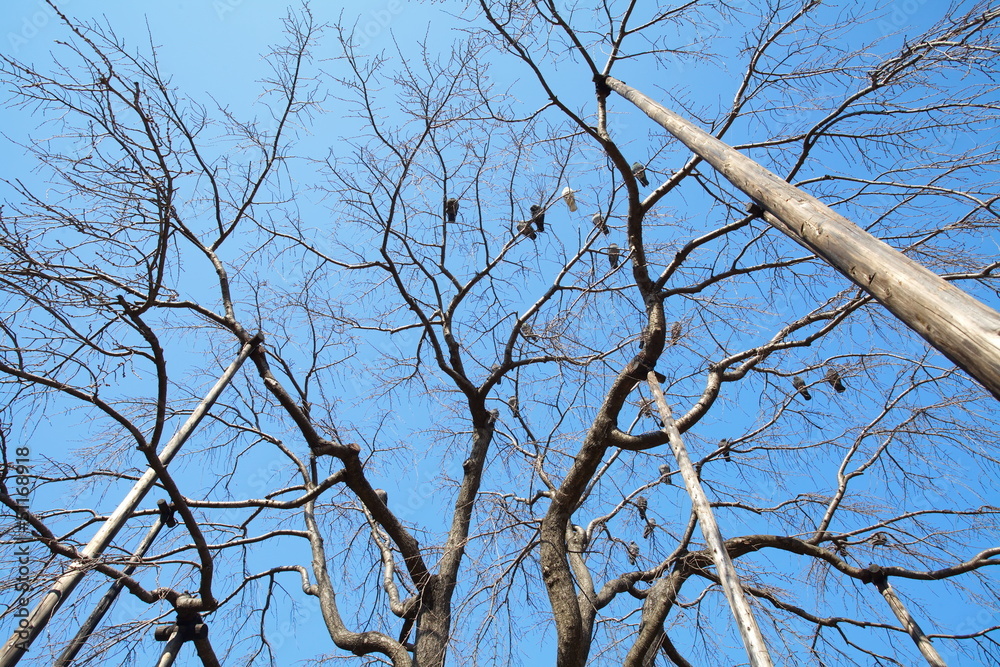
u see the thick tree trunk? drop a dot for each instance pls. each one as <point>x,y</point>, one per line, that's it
<point>435,617</point>
<point>957,325</point>
<point>433,627</point>
<point>574,627</point>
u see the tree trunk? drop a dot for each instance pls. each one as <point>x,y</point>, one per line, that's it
<point>433,627</point>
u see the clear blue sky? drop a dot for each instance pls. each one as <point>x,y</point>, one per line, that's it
<point>214,48</point>
<point>211,46</point>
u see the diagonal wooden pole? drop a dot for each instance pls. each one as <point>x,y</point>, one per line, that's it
<point>189,628</point>
<point>956,324</point>
<point>909,623</point>
<point>35,622</point>
<point>104,604</point>
<point>170,650</point>
<point>753,640</point>
<point>206,652</point>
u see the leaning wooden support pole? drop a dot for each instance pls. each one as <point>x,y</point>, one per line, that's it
<point>206,652</point>
<point>171,649</point>
<point>187,628</point>
<point>104,604</point>
<point>910,624</point>
<point>957,325</point>
<point>753,640</point>
<point>30,627</point>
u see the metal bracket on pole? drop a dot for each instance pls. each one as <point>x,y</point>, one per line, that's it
<point>39,617</point>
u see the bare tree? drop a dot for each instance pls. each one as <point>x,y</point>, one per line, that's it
<point>455,435</point>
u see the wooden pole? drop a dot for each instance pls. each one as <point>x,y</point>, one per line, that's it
<point>36,621</point>
<point>206,653</point>
<point>910,624</point>
<point>83,634</point>
<point>753,640</point>
<point>189,627</point>
<point>957,325</point>
<point>171,649</point>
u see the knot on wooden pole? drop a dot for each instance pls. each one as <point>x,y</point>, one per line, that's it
<point>601,84</point>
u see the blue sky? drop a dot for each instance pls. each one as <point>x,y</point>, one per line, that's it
<point>209,47</point>
<point>213,49</point>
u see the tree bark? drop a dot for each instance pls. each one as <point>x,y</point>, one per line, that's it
<point>957,325</point>
<point>573,642</point>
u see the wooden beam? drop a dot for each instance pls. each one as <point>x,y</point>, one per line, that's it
<point>910,624</point>
<point>953,322</point>
<point>68,655</point>
<point>38,618</point>
<point>753,640</point>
